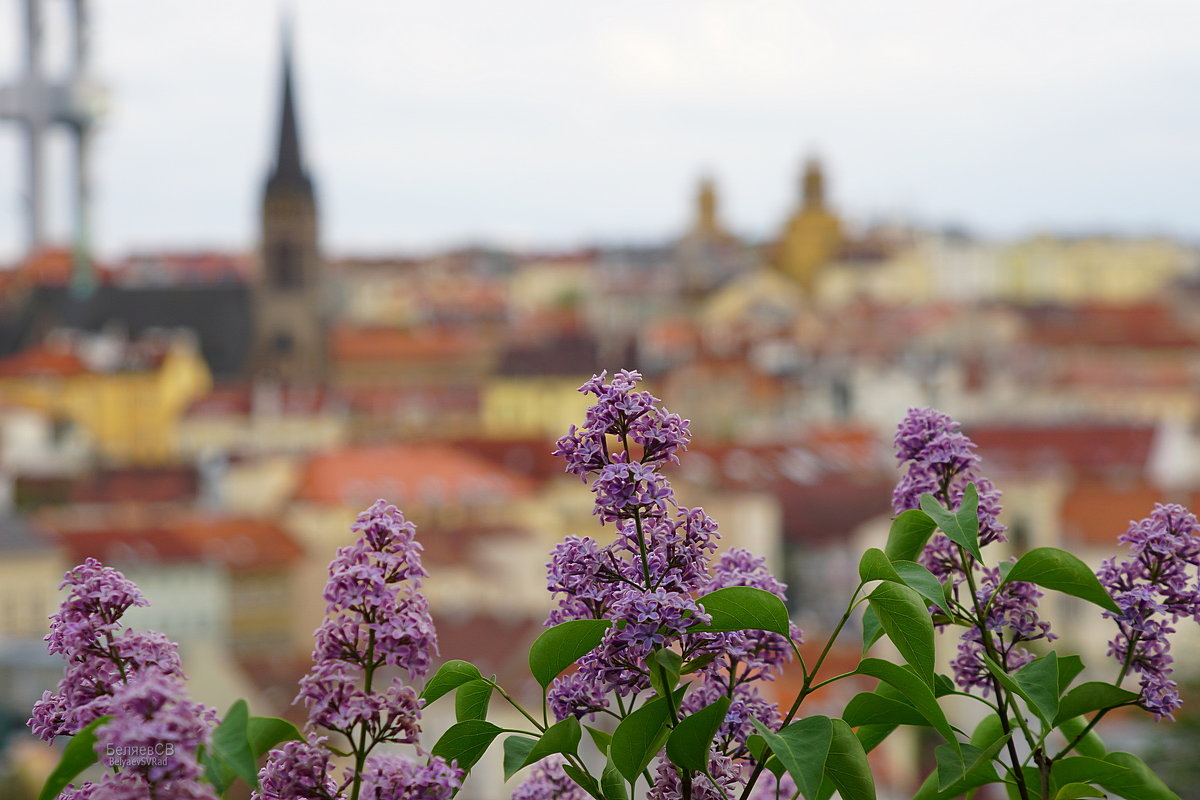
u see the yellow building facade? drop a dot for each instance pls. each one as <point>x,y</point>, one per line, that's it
<point>812,236</point>
<point>132,416</point>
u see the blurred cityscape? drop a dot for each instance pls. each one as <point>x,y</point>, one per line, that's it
<point>211,422</point>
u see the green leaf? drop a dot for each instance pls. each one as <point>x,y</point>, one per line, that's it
<point>700,662</point>
<point>602,739</point>
<point>1010,682</point>
<point>953,765</point>
<point>872,630</point>
<point>1069,668</point>
<point>876,566</point>
<point>744,608</point>
<point>612,783</point>
<point>516,750</point>
<point>908,535</point>
<point>802,748</point>
<point>1039,679</point>
<point>640,736</point>
<point>987,731</point>
<point>906,621</point>
<point>869,708</point>
<point>1137,782</point>
<point>587,782</point>
<point>561,737</point>
<point>264,733</point>
<point>689,743</point>
<point>1077,791</point>
<point>561,646</point>
<point>79,754</point>
<point>466,742</point>
<point>664,668</point>
<point>1090,744</point>
<point>1092,696</point>
<point>846,765</point>
<point>1082,769</point>
<point>449,677</point>
<point>757,746</point>
<point>962,526</point>
<point>914,689</point>
<point>1056,569</point>
<point>231,745</point>
<point>922,581</point>
<point>472,699</point>
<point>978,766</point>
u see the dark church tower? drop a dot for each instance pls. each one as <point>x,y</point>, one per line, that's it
<point>290,327</point>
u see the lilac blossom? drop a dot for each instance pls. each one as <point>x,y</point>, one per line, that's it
<point>377,631</point>
<point>298,769</point>
<point>394,777</point>
<point>940,460</point>
<point>1156,586</point>
<point>576,695</point>
<point>725,782</point>
<point>1012,619</point>
<point>547,781</point>
<point>101,654</point>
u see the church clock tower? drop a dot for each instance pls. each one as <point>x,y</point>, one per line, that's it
<point>290,324</point>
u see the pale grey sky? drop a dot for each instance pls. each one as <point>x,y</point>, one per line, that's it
<point>557,122</point>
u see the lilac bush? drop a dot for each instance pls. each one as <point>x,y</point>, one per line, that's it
<point>661,648</point>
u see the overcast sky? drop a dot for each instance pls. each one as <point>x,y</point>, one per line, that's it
<point>558,122</point>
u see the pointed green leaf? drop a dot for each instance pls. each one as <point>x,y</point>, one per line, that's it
<point>869,708</point>
<point>230,744</point>
<point>914,689</point>
<point>876,566</point>
<point>689,744</point>
<point>516,750</point>
<point>79,754</point>
<point>979,769</point>
<point>612,783</point>
<point>1082,769</point>
<point>1010,682</point>
<point>922,581</point>
<point>1092,696</point>
<point>871,736</point>
<point>846,765</point>
<point>561,646</point>
<point>466,742</point>
<point>561,737</point>
<point>1077,791</point>
<point>953,765</point>
<point>1137,782</point>
<point>264,733</point>
<point>449,677</point>
<point>908,535</point>
<point>664,666</point>
<point>640,736</point>
<point>802,748</point>
<point>744,608</point>
<point>586,781</point>
<point>1069,668</point>
<point>872,630</point>
<point>472,699</point>
<point>602,739</point>
<point>757,746</point>
<point>906,621</point>
<point>961,526</point>
<point>1056,569</point>
<point>1039,679</point>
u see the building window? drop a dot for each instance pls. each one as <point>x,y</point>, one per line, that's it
<point>284,270</point>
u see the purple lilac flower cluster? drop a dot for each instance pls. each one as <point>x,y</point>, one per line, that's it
<point>649,576</point>
<point>937,458</point>
<point>940,460</point>
<point>1012,618</point>
<point>136,678</point>
<point>1156,586</point>
<point>377,631</point>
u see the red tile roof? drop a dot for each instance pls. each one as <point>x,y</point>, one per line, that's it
<point>41,362</point>
<point>1080,448</point>
<point>1097,512</point>
<point>156,485</point>
<point>350,343</point>
<point>240,544</point>
<point>421,474</point>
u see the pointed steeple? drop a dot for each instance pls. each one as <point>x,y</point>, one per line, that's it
<point>288,169</point>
